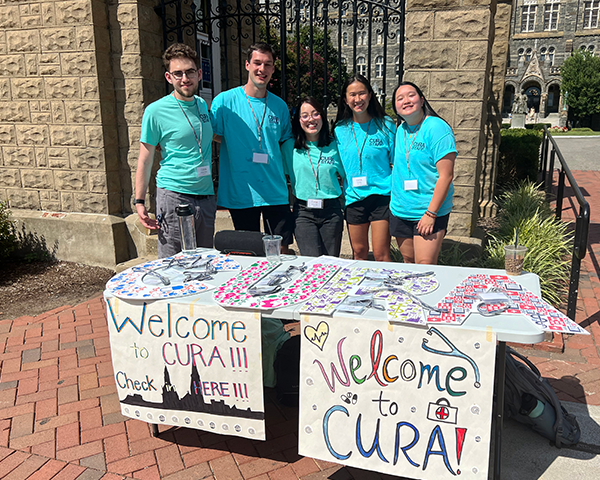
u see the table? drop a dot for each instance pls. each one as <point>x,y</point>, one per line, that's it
<point>513,328</point>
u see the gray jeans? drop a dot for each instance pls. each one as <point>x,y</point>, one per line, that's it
<point>319,231</point>
<point>169,238</point>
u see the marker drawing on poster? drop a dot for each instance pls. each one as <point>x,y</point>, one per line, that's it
<point>394,399</point>
<point>188,365</point>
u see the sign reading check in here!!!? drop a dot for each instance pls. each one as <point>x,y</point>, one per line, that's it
<point>405,401</point>
<point>197,367</point>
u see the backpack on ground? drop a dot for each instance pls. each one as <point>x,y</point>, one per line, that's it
<point>530,399</point>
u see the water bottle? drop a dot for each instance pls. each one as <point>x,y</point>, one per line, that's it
<point>542,415</point>
<point>186,228</point>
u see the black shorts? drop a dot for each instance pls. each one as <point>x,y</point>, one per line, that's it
<point>370,209</point>
<point>279,217</point>
<point>401,228</point>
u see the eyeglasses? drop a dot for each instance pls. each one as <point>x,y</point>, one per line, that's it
<point>178,74</point>
<point>308,116</point>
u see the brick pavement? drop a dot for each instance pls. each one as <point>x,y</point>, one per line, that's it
<point>60,417</point>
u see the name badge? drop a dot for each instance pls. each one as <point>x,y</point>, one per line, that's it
<point>410,185</point>
<point>314,203</point>
<point>359,181</point>
<point>260,158</point>
<point>203,171</point>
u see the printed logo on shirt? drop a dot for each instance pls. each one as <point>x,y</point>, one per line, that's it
<point>274,119</point>
<point>418,146</point>
<point>204,118</point>
<point>375,142</point>
<point>327,160</point>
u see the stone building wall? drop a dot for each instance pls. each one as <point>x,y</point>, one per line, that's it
<point>57,139</point>
<point>449,55</point>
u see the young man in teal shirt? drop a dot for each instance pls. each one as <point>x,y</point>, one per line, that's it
<point>179,125</point>
<point>251,124</point>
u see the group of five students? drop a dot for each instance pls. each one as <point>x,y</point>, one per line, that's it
<point>396,181</point>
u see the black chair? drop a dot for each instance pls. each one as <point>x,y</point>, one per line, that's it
<point>240,242</point>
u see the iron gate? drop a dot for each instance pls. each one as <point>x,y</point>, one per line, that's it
<point>364,36</point>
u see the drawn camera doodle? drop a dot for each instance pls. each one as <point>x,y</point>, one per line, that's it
<point>349,398</point>
<point>441,411</point>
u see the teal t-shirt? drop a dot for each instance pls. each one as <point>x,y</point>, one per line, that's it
<point>377,156</point>
<point>164,123</point>
<point>433,141</point>
<point>326,164</point>
<point>244,183</point>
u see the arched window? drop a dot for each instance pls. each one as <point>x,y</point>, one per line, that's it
<point>364,38</point>
<point>345,38</point>
<point>359,38</point>
<point>397,65</point>
<point>543,52</point>
<point>398,37</point>
<point>379,39</point>
<point>551,55</point>
<point>379,66</point>
<point>521,53</point>
<point>591,48</point>
<point>361,65</point>
<point>528,55</point>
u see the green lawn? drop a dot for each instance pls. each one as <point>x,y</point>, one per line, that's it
<point>575,131</point>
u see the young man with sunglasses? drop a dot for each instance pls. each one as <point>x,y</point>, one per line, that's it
<point>251,123</point>
<point>178,125</point>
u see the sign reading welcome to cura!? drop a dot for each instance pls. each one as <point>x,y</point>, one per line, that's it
<point>186,365</point>
<point>402,400</point>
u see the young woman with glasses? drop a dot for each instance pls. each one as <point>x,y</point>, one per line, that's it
<point>312,162</point>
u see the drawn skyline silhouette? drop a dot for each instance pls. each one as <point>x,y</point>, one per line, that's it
<point>192,401</point>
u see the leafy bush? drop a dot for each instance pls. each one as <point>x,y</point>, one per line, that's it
<point>548,248</point>
<point>8,237</point>
<point>22,245</point>
<point>519,156</point>
<point>547,239</point>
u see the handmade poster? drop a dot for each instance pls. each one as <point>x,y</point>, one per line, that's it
<point>361,281</point>
<point>405,401</point>
<point>188,365</point>
<point>464,299</point>
<point>176,276</point>
<point>297,287</point>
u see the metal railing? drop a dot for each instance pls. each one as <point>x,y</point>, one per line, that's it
<point>549,153</point>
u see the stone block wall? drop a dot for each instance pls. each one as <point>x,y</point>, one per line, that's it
<point>58,136</point>
<point>448,53</point>
<point>137,45</point>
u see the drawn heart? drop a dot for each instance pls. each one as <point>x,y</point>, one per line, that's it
<point>317,336</point>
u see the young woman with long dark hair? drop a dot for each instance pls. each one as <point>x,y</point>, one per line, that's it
<point>365,138</point>
<point>422,186</point>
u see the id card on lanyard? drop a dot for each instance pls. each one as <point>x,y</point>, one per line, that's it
<point>260,155</point>
<point>360,180</point>
<point>201,170</point>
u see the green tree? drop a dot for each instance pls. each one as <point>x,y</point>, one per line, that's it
<point>581,83</point>
<point>294,64</point>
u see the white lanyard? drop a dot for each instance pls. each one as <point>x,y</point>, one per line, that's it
<point>198,140</point>
<point>415,133</point>
<point>361,149</point>
<point>315,172</point>
<point>259,126</point>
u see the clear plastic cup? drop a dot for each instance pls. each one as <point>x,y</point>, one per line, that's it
<point>514,256</point>
<point>272,245</point>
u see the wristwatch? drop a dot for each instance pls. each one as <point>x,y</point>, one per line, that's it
<point>139,201</point>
